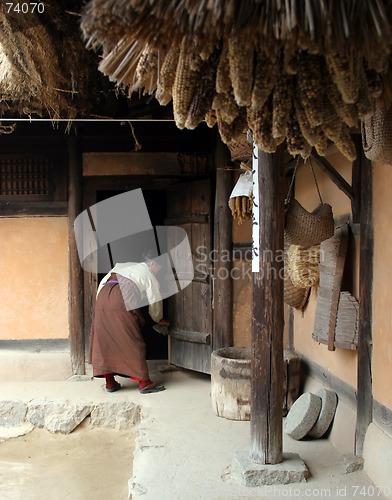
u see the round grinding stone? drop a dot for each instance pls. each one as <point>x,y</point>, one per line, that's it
<point>302,415</point>
<point>329,401</point>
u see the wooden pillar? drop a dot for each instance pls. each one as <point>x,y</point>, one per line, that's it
<point>75,269</point>
<point>222,312</point>
<point>267,314</point>
<point>364,387</point>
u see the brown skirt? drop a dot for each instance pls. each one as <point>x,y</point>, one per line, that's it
<point>116,341</point>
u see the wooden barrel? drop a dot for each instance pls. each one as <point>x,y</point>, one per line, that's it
<point>230,382</point>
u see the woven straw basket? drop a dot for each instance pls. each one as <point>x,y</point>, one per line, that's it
<point>303,265</point>
<point>377,135</point>
<point>240,149</point>
<point>292,295</point>
<point>305,228</point>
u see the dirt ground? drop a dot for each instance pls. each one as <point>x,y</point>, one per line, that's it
<point>88,464</point>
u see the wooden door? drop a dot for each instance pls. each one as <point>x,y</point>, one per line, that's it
<point>190,311</point>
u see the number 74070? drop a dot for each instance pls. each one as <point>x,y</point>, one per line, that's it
<point>25,7</point>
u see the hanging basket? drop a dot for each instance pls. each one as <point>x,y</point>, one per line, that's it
<point>303,265</point>
<point>305,228</point>
<point>240,149</point>
<point>292,295</point>
<point>377,135</point>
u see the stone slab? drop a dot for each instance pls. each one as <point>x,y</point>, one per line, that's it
<point>119,415</point>
<point>57,415</point>
<point>302,416</point>
<point>12,413</point>
<point>292,469</point>
<point>329,402</point>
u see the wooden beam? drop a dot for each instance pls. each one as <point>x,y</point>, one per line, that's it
<point>267,315</point>
<point>364,387</point>
<point>222,312</point>
<point>75,269</point>
<point>131,163</point>
<point>334,175</point>
<point>33,209</point>
<point>356,182</point>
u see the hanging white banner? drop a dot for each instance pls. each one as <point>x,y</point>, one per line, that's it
<point>255,213</point>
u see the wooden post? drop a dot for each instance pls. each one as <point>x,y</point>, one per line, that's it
<point>267,314</point>
<point>75,269</point>
<point>222,312</point>
<point>364,388</point>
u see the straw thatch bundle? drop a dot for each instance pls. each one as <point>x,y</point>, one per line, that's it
<point>300,71</point>
<point>45,68</point>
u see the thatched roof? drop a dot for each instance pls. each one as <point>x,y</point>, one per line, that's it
<point>46,70</point>
<point>301,72</point>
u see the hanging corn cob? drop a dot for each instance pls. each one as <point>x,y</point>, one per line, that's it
<point>223,81</point>
<point>204,92</point>
<point>241,53</point>
<point>226,106</point>
<point>146,74</point>
<point>210,118</point>
<point>167,76</point>
<point>281,104</point>
<point>321,144</point>
<point>185,83</point>
<point>230,132</point>
<point>345,73</point>
<point>310,133</point>
<point>347,112</point>
<point>345,144</point>
<point>309,87</point>
<point>296,142</point>
<point>266,74</point>
<point>260,122</point>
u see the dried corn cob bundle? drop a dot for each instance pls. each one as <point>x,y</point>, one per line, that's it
<point>241,208</point>
<point>230,132</point>
<point>226,105</point>
<point>146,70</point>
<point>282,96</point>
<point>223,82</point>
<point>364,103</point>
<point>346,145</point>
<point>210,118</point>
<point>309,86</point>
<point>345,74</point>
<point>374,83</point>
<point>185,83</point>
<point>347,112</point>
<point>321,144</point>
<point>332,125</point>
<point>241,53</point>
<point>260,122</point>
<point>266,74</point>
<point>204,92</point>
<point>296,142</point>
<point>310,133</point>
<point>167,75</point>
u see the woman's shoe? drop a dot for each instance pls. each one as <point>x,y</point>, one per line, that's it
<point>115,388</point>
<point>152,388</point>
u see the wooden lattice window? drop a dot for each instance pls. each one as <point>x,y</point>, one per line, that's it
<point>25,178</point>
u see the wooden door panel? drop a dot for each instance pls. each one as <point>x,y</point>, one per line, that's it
<point>189,207</point>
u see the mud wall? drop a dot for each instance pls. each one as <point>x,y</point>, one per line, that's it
<point>34,270</point>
